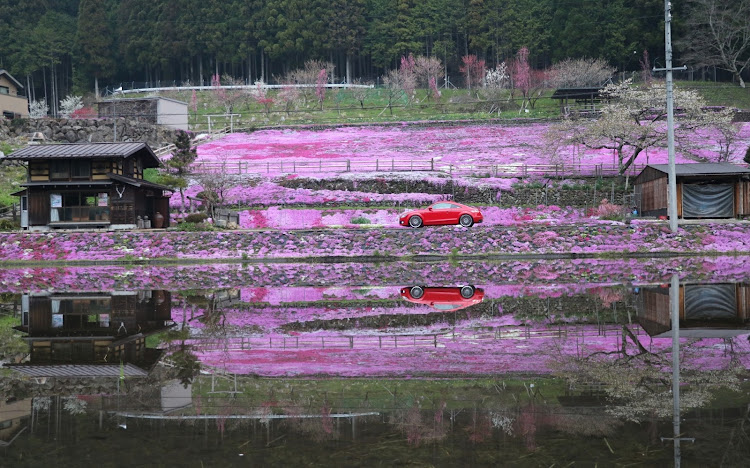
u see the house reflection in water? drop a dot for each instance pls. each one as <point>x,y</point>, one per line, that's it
<point>91,334</point>
<point>719,310</point>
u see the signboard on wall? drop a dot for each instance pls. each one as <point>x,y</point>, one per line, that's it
<point>102,199</point>
<point>55,200</point>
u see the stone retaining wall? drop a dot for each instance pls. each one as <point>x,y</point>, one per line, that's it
<point>579,193</point>
<point>86,130</point>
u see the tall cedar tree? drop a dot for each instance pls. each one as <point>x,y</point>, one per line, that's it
<point>95,39</point>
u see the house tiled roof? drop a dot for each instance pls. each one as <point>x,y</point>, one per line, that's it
<point>84,150</point>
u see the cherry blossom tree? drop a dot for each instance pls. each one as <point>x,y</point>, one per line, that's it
<point>529,82</point>
<point>408,76</point>
<point>633,121</point>
<point>473,69</point>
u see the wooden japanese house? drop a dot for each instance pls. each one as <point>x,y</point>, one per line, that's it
<point>581,101</point>
<point>706,310</point>
<point>93,185</point>
<point>704,190</point>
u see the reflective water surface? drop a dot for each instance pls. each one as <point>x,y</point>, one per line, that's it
<point>523,363</point>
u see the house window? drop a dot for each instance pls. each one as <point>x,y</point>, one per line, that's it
<point>80,206</point>
<point>4,90</point>
<point>59,170</point>
<point>81,169</point>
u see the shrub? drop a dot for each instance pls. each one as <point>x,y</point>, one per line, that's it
<point>196,218</point>
<point>607,210</point>
<point>360,220</point>
<point>7,225</point>
<point>194,227</point>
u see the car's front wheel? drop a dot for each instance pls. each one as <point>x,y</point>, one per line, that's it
<point>467,291</point>
<point>415,221</point>
<point>417,292</point>
<point>466,220</point>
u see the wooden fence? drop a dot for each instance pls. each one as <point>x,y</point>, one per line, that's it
<point>407,165</point>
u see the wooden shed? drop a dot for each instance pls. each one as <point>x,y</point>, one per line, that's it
<point>93,185</point>
<point>578,100</point>
<point>704,190</point>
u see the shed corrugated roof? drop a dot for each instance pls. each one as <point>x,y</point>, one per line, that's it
<point>83,150</point>
<point>576,93</point>
<point>697,169</point>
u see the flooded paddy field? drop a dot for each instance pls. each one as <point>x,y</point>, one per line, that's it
<point>521,362</point>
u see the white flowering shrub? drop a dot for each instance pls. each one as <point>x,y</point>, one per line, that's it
<point>38,109</point>
<point>70,104</point>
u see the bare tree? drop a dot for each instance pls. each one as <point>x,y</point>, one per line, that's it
<point>580,73</point>
<point>426,68</point>
<point>360,94</point>
<point>308,76</point>
<point>719,35</point>
<point>394,88</point>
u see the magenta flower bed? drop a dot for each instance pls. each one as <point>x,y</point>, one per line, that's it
<point>614,238</point>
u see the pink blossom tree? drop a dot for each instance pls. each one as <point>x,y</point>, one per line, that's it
<point>408,76</point>
<point>529,82</point>
<point>473,69</point>
<point>260,94</point>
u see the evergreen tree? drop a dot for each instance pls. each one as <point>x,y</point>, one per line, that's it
<point>95,40</point>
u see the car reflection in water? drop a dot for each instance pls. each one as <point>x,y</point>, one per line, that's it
<point>444,298</point>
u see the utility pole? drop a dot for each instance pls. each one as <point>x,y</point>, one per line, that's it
<point>672,182</point>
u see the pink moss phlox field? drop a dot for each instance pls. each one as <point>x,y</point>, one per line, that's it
<point>611,238</point>
<point>487,144</point>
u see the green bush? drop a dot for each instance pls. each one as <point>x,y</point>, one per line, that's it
<point>196,218</point>
<point>7,225</point>
<point>360,220</point>
<point>194,227</point>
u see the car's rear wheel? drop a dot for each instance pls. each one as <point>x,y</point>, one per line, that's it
<point>417,292</point>
<point>467,291</point>
<point>466,220</point>
<point>415,221</point>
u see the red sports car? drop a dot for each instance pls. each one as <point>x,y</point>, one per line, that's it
<point>444,298</point>
<point>445,212</point>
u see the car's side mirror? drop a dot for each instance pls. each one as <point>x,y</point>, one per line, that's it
<point>429,209</point>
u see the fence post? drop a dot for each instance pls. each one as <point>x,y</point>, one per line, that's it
<point>392,164</point>
<point>432,164</point>
<point>348,165</point>
<point>294,166</point>
<point>239,167</point>
<point>377,165</point>
<point>268,167</point>
<point>320,165</point>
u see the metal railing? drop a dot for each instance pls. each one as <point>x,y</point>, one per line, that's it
<point>241,167</point>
